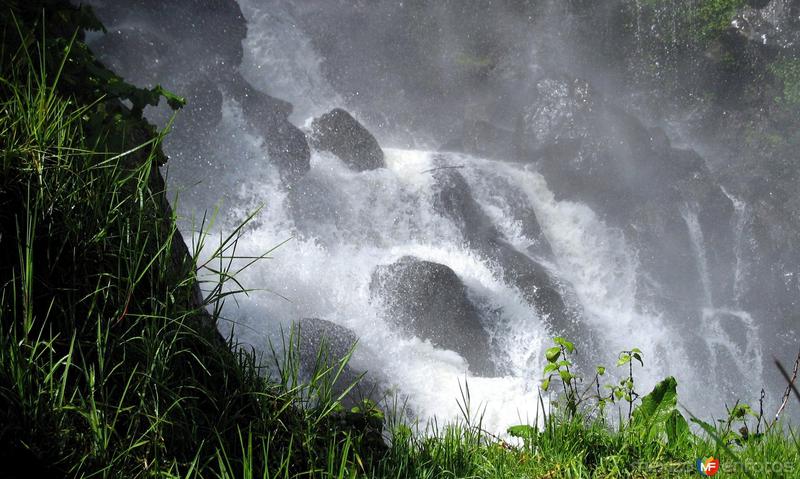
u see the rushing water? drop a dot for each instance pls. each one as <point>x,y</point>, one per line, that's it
<point>341,225</point>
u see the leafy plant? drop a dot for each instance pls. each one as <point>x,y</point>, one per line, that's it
<point>657,413</point>
<point>625,390</point>
<point>558,366</point>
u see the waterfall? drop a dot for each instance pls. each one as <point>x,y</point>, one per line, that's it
<point>626,275</point>
<point>741,219</point>
<point>699,247</point>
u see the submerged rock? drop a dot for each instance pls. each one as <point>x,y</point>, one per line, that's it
<point>341,134</point>
<point>429,300</point>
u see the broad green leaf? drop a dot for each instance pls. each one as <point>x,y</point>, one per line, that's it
<point>552,354</point>
<point>566,376</point>
<point>546,383</point>
<point>676,427</point>
<point>601,370</point>
<point>624,359</point>
<point>550,367</point>
<point>636,350</point>
<point>657,406</point>
<point>567,345</point>
<point>521,431</point>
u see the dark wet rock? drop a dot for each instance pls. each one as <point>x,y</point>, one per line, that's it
<point>453,199</point>
<point>192,35</point>
<point>430,301</point>
<point>594,152</point>
<point>631,175</point>
<point>341,134</point>
<point>324,344</point>
<point>200,117</point>
<point>537,285</point>
<point>286,144</point>
<point>665,254</point>
<point>187,53</point>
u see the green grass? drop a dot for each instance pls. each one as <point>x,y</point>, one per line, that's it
<point>110,368</point>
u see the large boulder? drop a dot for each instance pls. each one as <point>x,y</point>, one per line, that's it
<point>430,300</point>
<point>341,134</point>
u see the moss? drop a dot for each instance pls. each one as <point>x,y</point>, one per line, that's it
<point>788,73</point>
<point>713,17</point>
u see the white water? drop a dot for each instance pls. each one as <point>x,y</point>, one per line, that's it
<point>741,213</point>
<point>379,216</point>
<point>354,222</point>
<point>731,335</point>
<point>698,244</point>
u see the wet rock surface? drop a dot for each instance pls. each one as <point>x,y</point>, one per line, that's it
<point>341,134</point>
<point>429,300</point>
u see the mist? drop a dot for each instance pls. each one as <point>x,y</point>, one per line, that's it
<point>619,173</point>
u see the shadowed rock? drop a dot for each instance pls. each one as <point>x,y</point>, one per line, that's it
<point>286,144</point>
<point>341,134</point>
<point>324,344</point>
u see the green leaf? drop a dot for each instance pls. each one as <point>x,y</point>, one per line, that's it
<point>174,101</point>
<point>741,410</point>
<point>521,431</point>
<point>624,359</point>
<point>638,356</point>
<point>657,406</point>
<point>636,350</point>
<point>552,354</point>
<point>546,383</point>
<point>601,370</point>
<point>566,376</point>
<point>567,345</point>
<point>550,367</point>
<point>676,427</point>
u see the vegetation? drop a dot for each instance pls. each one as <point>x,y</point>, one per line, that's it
<point>713,17</point>
<point>110,365</point>
<point>788,72</point>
